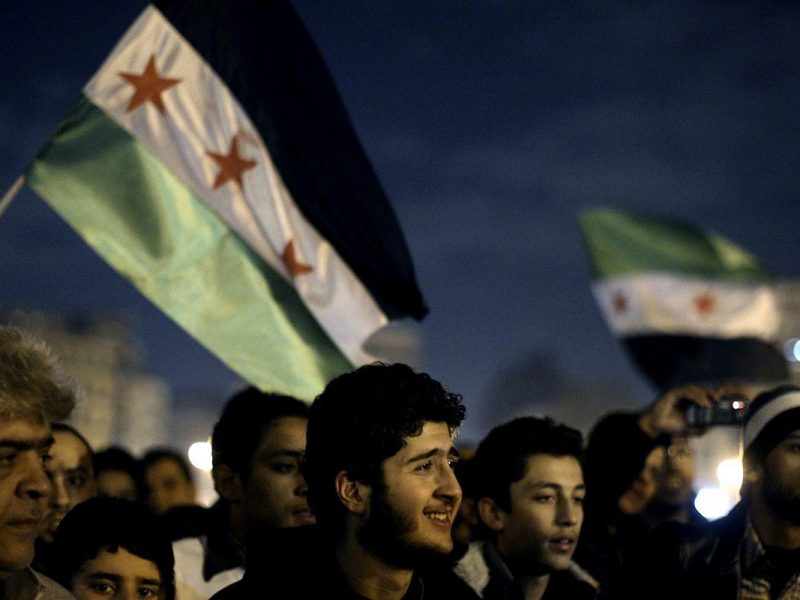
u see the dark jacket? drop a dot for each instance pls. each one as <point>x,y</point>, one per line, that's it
<point>615,455</point>
<point>688,562</point>
<point>487,576</point>
<point>300,564</point>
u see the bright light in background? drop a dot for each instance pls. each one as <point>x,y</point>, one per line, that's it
<point>713,503</point>
<point>729,473</point>
<point>791,349</point>
<point>200,455</point>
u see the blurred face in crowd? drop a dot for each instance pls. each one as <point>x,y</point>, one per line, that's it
<point>72,478</point>
<point>675,487</point>
<point>116,483</point>
<point>777,478</point>
<point>275,493</point>
<point>409,516</point>
<point>636,498</point>
<point>24,489</point>
<point>119,575</point>
<point>539,534</point>
<point>167,485</point>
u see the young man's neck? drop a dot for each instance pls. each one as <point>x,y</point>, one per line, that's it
<point>368,575</point>
<point>533,587</point>
<point>771,529</point>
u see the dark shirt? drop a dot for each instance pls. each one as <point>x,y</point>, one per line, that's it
<point>300,563</point>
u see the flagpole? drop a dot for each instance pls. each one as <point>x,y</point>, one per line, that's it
<point>11,193</point>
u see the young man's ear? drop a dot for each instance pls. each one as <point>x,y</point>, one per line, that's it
<point>753,471</point>
<point>353,494</point>
<point>492,515</point>
<point>227,483</point>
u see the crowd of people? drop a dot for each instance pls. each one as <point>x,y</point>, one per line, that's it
<point>366,494</point>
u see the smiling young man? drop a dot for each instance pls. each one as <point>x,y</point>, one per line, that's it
<point>379,466</point>
<point>32,394</point>
<point>529,489</point>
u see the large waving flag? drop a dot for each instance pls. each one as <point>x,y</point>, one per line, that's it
<point>211,161</point>
<point>689,305</point>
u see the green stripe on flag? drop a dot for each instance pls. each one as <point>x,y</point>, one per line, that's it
<point>625,244</point>
<point>146,224</point>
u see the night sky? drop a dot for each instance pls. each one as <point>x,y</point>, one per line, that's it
<point>490,123</point>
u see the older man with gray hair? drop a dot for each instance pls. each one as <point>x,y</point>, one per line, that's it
<point>33,393</point>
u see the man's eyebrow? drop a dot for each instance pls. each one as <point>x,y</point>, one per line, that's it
<point>433,452</point>
<point>536,485</point>
<point>104,575</point>
<point>21,445</point>
<point>286,452</point>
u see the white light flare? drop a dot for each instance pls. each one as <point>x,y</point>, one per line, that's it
<point>200,455</point>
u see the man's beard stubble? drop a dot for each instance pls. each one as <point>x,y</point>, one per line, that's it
<point>383,534</point>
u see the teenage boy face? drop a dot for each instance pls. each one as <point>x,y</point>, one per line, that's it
<point>24,489</point>
<point>410,515</point>
<point>117,575</point>
<point>539,533</point>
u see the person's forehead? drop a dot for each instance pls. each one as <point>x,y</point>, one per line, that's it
<point>433,434</point>
<point>66,441</point>
<point>284,432</point>
<point>30,429</point>
<point>164,465</point>
<point>553,468</point>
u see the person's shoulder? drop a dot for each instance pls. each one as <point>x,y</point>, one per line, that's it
<point>50,589</point>
<point>572,584</point>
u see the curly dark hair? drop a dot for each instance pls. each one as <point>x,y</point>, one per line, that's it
<point>501,458</point>
<point>247,414</point>
<point>361,419</point>
<point>108,524</point>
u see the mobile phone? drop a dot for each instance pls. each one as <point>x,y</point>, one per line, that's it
<point>728,410</point>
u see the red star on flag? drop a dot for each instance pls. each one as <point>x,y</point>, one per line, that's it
<point>290,260</point>
<point>148,86</point>
<point>704,304</point>
<point>231,165</point>
<point>620,303</point>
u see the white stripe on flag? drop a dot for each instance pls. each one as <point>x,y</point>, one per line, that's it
<point>201,116</point>
<point>669,304</point>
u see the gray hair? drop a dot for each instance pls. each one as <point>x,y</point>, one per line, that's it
<point>32,384</point>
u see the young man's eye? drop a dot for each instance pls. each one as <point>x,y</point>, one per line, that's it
<point>76,481</point>
<point>544,498</point>
<point>424,467</point>
<point>147,592</point>
<point>7,458</point>
<point>452,461</point>
<point>102,588</point>
<point>578,499</point>
<point>283,468</point>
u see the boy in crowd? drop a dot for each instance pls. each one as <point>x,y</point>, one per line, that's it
<point>167,480</point>
<point>529,488</point>
<point>257,447</point>
<point>112,548</point>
